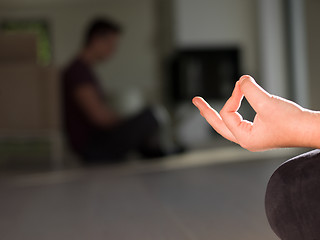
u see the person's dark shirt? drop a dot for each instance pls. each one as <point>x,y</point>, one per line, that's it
<point>77,125</point>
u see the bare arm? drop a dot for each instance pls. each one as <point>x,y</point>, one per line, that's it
<point>278,122</point>
<point>94,108</point>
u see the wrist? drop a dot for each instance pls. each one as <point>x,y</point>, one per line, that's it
<point>309,127</point>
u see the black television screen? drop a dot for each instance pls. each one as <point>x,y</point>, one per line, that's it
<point>207,72</point>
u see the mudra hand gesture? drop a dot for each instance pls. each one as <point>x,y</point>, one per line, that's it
<point>278,122</point>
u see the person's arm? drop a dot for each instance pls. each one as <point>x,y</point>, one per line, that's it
<point>278,122</point>
<point>94,108</point>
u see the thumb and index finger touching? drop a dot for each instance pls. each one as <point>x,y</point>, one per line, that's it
<point>229,121</point>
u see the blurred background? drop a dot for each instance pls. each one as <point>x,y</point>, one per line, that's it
<point>169,52</point>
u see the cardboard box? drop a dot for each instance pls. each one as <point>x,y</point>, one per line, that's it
<point>50,93</point>
<point>29,98</point>
<point>18,48</point>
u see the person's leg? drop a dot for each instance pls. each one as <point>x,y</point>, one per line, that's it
<point>293,198</point>
<point>138,132</point>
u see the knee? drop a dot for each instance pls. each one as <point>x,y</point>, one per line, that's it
<point>161,114</point>
<point>293,198</point>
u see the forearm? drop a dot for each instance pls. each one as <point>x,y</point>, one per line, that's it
<point>104,118</point>
<point>89,100</point>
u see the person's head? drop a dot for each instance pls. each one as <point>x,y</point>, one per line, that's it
<point>101,38</point>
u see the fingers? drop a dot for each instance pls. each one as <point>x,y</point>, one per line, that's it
<point>232,118</point>
<point>234,102</point>
<point>230,123</point>
<point>213,118</point>
<point>256,95</point>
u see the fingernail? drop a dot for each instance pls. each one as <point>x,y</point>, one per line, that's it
<point>244,77</point>
<point>194,101</point>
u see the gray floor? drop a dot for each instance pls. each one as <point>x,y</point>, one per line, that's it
<point>217,201</point>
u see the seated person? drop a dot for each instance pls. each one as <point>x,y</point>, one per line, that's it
<point>93,129</point>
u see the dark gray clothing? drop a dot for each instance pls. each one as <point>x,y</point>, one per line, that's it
<point>293,198</point>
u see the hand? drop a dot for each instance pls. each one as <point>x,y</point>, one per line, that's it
<point>278,122</point>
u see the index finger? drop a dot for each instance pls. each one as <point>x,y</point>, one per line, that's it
<point>213,118</point>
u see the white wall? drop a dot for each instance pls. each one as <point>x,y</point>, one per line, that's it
<point>219,22</point>
<point>298,50</point>
<point>312,8</point>
<point>273,45</point>
<point>135,63</point>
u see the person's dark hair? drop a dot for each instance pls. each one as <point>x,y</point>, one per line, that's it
<point>101,27</point>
